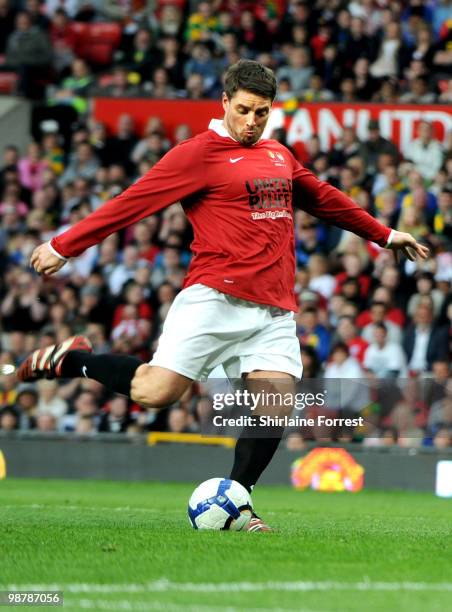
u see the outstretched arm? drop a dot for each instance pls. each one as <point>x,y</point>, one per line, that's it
<point>327,203</point>
<point>172,179</point>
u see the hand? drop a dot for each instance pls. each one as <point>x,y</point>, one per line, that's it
<point>407,244</point>
<point>44,261</point>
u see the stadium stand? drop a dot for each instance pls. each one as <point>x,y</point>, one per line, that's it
<point>361,315</point>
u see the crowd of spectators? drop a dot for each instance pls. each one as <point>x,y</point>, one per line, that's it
<point>321,50</point>
<point>363,316</point>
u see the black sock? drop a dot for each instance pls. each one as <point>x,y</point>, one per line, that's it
<point>113,371</point>
<point>252,455</point>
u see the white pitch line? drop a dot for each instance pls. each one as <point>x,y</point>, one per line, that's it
<point>90,508</point>
<point>125,604</point>
<point>167,586</point>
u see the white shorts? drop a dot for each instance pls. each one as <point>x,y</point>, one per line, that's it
<point>205,328</point>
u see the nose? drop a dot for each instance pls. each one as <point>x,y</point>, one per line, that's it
<point>251,120</point>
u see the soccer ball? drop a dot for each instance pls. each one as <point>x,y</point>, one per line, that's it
<point>220,504</point>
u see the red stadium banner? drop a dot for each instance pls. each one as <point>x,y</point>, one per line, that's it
<point>398,122</point>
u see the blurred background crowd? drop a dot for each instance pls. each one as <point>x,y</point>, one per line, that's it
<point>363,316</point>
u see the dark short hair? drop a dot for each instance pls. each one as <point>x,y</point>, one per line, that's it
<point>340,346</point>
<point>250,76</point>
<point>381,326</point>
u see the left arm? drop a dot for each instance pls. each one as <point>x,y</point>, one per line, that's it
<point>327,203</point>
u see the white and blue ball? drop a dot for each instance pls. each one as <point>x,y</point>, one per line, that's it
<point>220,504</point>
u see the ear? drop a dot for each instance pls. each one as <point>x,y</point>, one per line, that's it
<point>225,101</point>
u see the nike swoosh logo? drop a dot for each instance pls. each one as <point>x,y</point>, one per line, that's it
<point>235,159</point>
<point>85,371</point>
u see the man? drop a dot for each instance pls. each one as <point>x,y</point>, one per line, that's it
<point>29,53</point>
<point>424,342</point>
<point>426,152</point>
<point>237,306</point>
<point>383,358</point>
<point>376,145</point>
<point>378,314</point>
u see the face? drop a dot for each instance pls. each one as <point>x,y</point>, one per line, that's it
<point>379,336</point>
<point>246,115</point>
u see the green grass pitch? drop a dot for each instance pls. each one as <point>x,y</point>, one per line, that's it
<point>128,546</point>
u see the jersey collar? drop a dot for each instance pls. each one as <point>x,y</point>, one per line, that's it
<point>218,127</point>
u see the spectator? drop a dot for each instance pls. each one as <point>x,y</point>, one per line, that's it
<point>383,358</point>
<point>347,333</point>
<point>378,315</point>
<point>46,422</point>
<point>195,88</point>
<point>29,52</point>
<point>316,91</point>
<point>418,92</point>
<point>160,86</point>
<point>386,64</point>
<point>403,419</point>
<point>424,342</point>
<point>7,18</point>
<point>120,146</point>
<point>376,145</point>
<point>63,39</point>
<point>357,44</point>
<point>298,70</point>
<point>201,62</point>
<point>425,285</point>
<point>144,57</point>
<point>426,152</point>
<point>202,24</point>
<point>84,163</point>
<point>312,333</point>
<point>365,84</point>
<point>23,308</point>
<point>26,405</point>
<point>49,401</point>
<point>125,270</point>
<point>178,421</point>
<point>31,168</point>
<point>253,33</point>
<point>85,407</point>
<point>9,419</point>
<point>442,220</point>
<point>320,280</point>
<point>120,86</point>
<point>116,417</point>
<point>348,395</point>
<point>173,61</point>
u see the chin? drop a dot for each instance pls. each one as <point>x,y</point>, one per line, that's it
<point>249,141</point>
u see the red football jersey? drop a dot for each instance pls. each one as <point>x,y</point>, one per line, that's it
<point>239,202</point>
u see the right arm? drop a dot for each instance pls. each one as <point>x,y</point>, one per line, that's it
<point>177,175</point>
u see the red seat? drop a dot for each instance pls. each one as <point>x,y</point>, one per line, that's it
<point>98,54</point>
<point>96,42</point>
<point>105,33</point>
<point>8,82</point>
<point>179,3</point>
<point>81,31</point>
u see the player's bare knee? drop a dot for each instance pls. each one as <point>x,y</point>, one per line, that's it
<point>148,391</point>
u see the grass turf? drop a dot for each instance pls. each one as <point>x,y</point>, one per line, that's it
<point>128,536</point>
